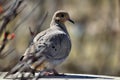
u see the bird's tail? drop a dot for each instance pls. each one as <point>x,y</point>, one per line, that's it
<point>20,67</point>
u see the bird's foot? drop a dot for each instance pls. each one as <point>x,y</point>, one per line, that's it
<point>52,73</point>
<point>48,74</point>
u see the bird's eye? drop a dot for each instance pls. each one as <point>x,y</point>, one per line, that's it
<point>62,15</point>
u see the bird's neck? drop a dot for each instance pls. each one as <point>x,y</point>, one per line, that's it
<point>58,24</point>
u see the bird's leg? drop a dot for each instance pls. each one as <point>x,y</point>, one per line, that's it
<point>55,72</point>
<point>52,72</point>
<point>33,72</point>
<point>47,73</point>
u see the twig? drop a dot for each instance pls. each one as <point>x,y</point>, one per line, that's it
<point>31,32</point>
<point>38,26</point>
<point>40,23</point>
<point>4,42</point>
<point>9,16</point>
<point>26,17</point>
<point>6,53</point>
<point>12,13</point>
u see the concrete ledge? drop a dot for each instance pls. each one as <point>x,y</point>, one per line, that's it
<point>67,76</point>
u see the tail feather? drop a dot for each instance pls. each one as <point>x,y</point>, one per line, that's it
<point>20,67</point>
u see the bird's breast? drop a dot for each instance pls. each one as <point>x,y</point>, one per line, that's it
<point>60,48</point>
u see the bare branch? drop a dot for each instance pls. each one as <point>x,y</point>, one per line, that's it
<point>40,22</point>
<point>4,42</point>
<point>26,17</point>
<point>38,26</point>
<point>3,55</point>
<point>31,32</point>
<point>10,15</point>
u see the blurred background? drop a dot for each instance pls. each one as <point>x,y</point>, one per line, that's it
<point>95,35</point>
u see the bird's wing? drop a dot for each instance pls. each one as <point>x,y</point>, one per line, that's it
<point>50,48</point>
<point>29,54</point>
<point>45,47</point>
<point>32,47</point>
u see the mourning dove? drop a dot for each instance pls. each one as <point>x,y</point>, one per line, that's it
<point>49,48</point>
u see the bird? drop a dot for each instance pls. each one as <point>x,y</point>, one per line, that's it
<point>49,48</point>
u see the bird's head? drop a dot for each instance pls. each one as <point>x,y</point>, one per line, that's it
<point>62,16</point>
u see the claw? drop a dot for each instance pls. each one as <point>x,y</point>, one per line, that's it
<point>51,73</point>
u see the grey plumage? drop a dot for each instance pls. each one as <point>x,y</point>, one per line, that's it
<point>50,47</point>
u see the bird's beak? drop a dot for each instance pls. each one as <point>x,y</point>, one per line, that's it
<point>71,21</point>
